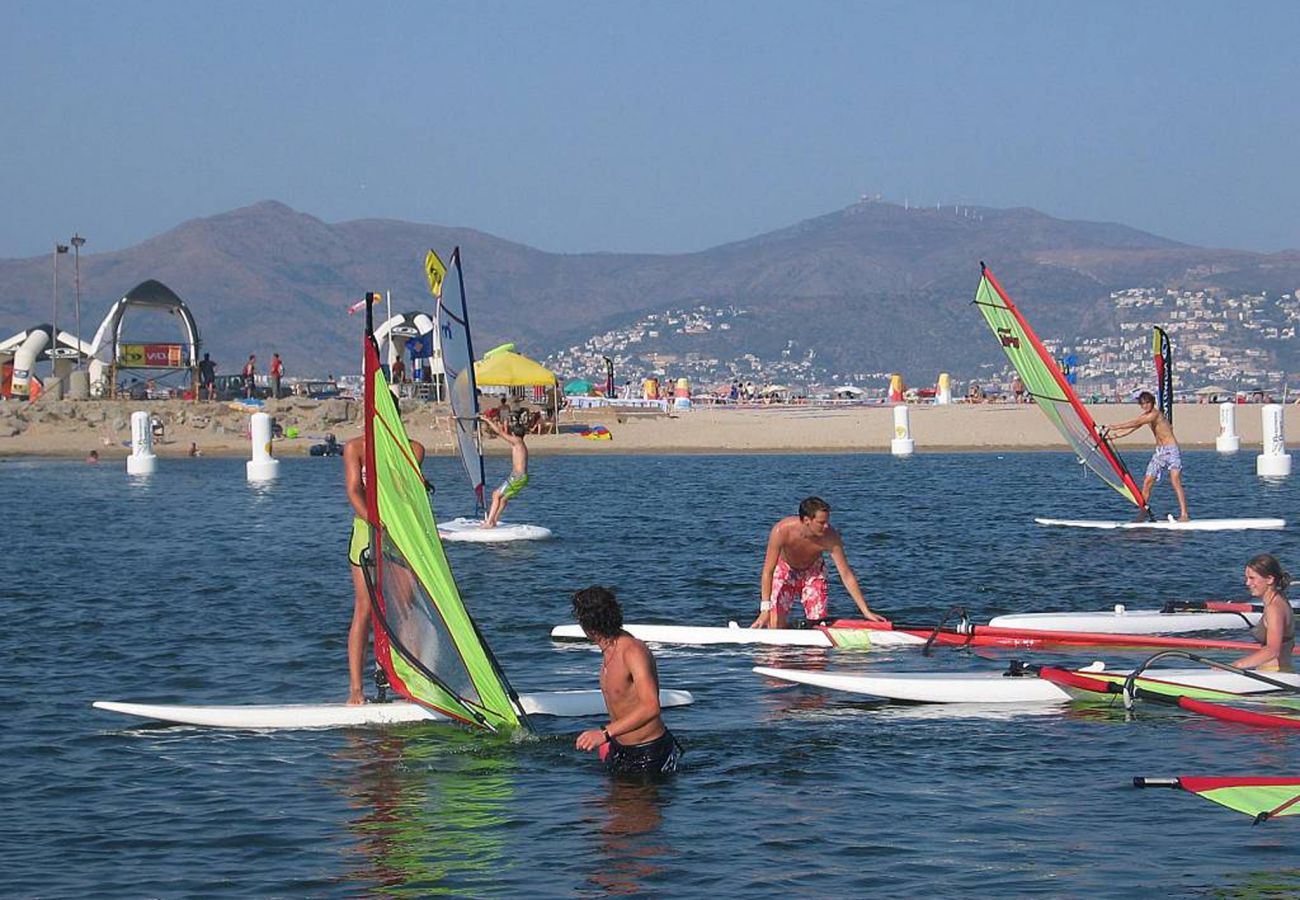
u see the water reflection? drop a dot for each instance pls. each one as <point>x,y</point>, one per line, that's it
<point>430,810</point>
<point>632,846</point>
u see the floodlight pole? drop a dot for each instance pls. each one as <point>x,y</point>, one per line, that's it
<point>77,242</point>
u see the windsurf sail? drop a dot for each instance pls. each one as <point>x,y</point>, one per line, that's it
<point>425,640</point>
<point>1049,388</point>
<point>1163,350</point>
<point>458,364</point>
<point>1260,798</point>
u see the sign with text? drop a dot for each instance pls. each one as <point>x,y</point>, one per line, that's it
<point>151,356</point>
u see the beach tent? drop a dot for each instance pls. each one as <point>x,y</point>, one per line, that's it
<point>578,387</point>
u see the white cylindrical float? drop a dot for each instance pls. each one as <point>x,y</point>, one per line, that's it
<point>142,460</point>
<point>943,396</point>
<point>902,443</point>
<point>1274,462</point>
<point>1227,441</point>
<point>263,466</point>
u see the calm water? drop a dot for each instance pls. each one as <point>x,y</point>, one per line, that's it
<point>194,587</point>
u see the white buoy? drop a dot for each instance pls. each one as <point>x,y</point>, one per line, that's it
<point>263,466</point>
<point>141,461</point>
<point>943,396</point>
<point>1227,441</point>
<point>902,443</point>
<point>1274,462</point>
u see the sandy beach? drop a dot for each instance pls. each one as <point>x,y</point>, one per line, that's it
<point>68,428</point>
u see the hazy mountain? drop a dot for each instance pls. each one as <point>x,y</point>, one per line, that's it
<point>874,285</point>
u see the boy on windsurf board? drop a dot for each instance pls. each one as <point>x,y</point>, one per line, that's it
<point>1166,458</point>
<point>636,741</point>
<point>795,569</point>
<point>517,480</point>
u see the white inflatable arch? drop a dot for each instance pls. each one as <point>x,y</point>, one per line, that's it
<point>153,297</point>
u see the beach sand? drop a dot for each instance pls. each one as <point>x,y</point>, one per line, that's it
<point>68,428</point>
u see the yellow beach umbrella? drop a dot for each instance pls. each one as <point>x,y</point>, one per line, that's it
<point>505,367</point>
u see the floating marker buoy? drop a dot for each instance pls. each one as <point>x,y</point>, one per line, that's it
<point>1227,441</point>
<point>263,466</point>
<point>1274,462</point>
<point>902,443</point>
<point>142,460</point>
<point>943,396</point>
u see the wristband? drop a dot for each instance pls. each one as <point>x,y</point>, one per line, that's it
<point>765,606</point>
<point>605,731</point>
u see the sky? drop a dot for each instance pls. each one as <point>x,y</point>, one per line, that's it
<point>657,127</point>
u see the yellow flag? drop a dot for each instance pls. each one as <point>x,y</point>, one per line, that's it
<point>436,271</point>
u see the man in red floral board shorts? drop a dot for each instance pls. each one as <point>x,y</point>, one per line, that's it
<point>794,567</point>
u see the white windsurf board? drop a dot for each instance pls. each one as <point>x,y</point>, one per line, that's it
<point>1128,621</point>
<point>471,531</point>
<point>341,715</point>
<point>997,687</point>
<point>1169,524</point>
<point>733,633</point>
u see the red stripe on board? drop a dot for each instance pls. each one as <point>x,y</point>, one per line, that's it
<point>1240,716</point>
<point>1198,783</point>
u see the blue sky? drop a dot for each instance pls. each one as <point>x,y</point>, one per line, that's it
<point>647,126</point>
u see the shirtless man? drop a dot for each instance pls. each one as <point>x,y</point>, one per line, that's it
<point>795,568</point>
<point>354,475</point>
<point>1167,457</point>
<point>517,480</point>
<point>635,742</point>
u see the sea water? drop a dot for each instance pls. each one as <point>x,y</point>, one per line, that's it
<point>192,586</point>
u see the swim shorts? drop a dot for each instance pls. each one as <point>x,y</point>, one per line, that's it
<point>360,540</point>
<point>513,485</point>
<point>1167,458</point>
<point>656,757</point>
<point>808,585</point>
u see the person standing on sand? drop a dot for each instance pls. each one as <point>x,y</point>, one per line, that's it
<point>249,371</point>
<point>1166,458</point>
<point>795,568</point>
<point>208,376</point>
<point>354,478</point>
<point>517,480</point>
<point>277,372</point>
<point>636,741</point>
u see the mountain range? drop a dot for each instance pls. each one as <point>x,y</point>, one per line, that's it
<point>874,286</point>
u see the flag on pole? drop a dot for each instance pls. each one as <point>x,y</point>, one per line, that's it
<point>361,304</point>
<point>436,271</point>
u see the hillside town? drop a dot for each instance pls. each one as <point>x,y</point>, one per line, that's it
<point>1235,342</point>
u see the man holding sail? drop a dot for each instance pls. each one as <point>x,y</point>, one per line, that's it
<point>354,478</point>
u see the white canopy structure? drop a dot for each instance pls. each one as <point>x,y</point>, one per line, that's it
<point>412,336</point>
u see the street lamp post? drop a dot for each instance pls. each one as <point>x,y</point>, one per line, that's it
<point>78,242</point>
<point>54,338</point>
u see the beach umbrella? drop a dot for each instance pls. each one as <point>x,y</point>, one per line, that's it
<point>578,387</point>
<point>505,367</point>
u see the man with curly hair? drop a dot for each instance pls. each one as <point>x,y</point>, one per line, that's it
<point>635,742</point>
